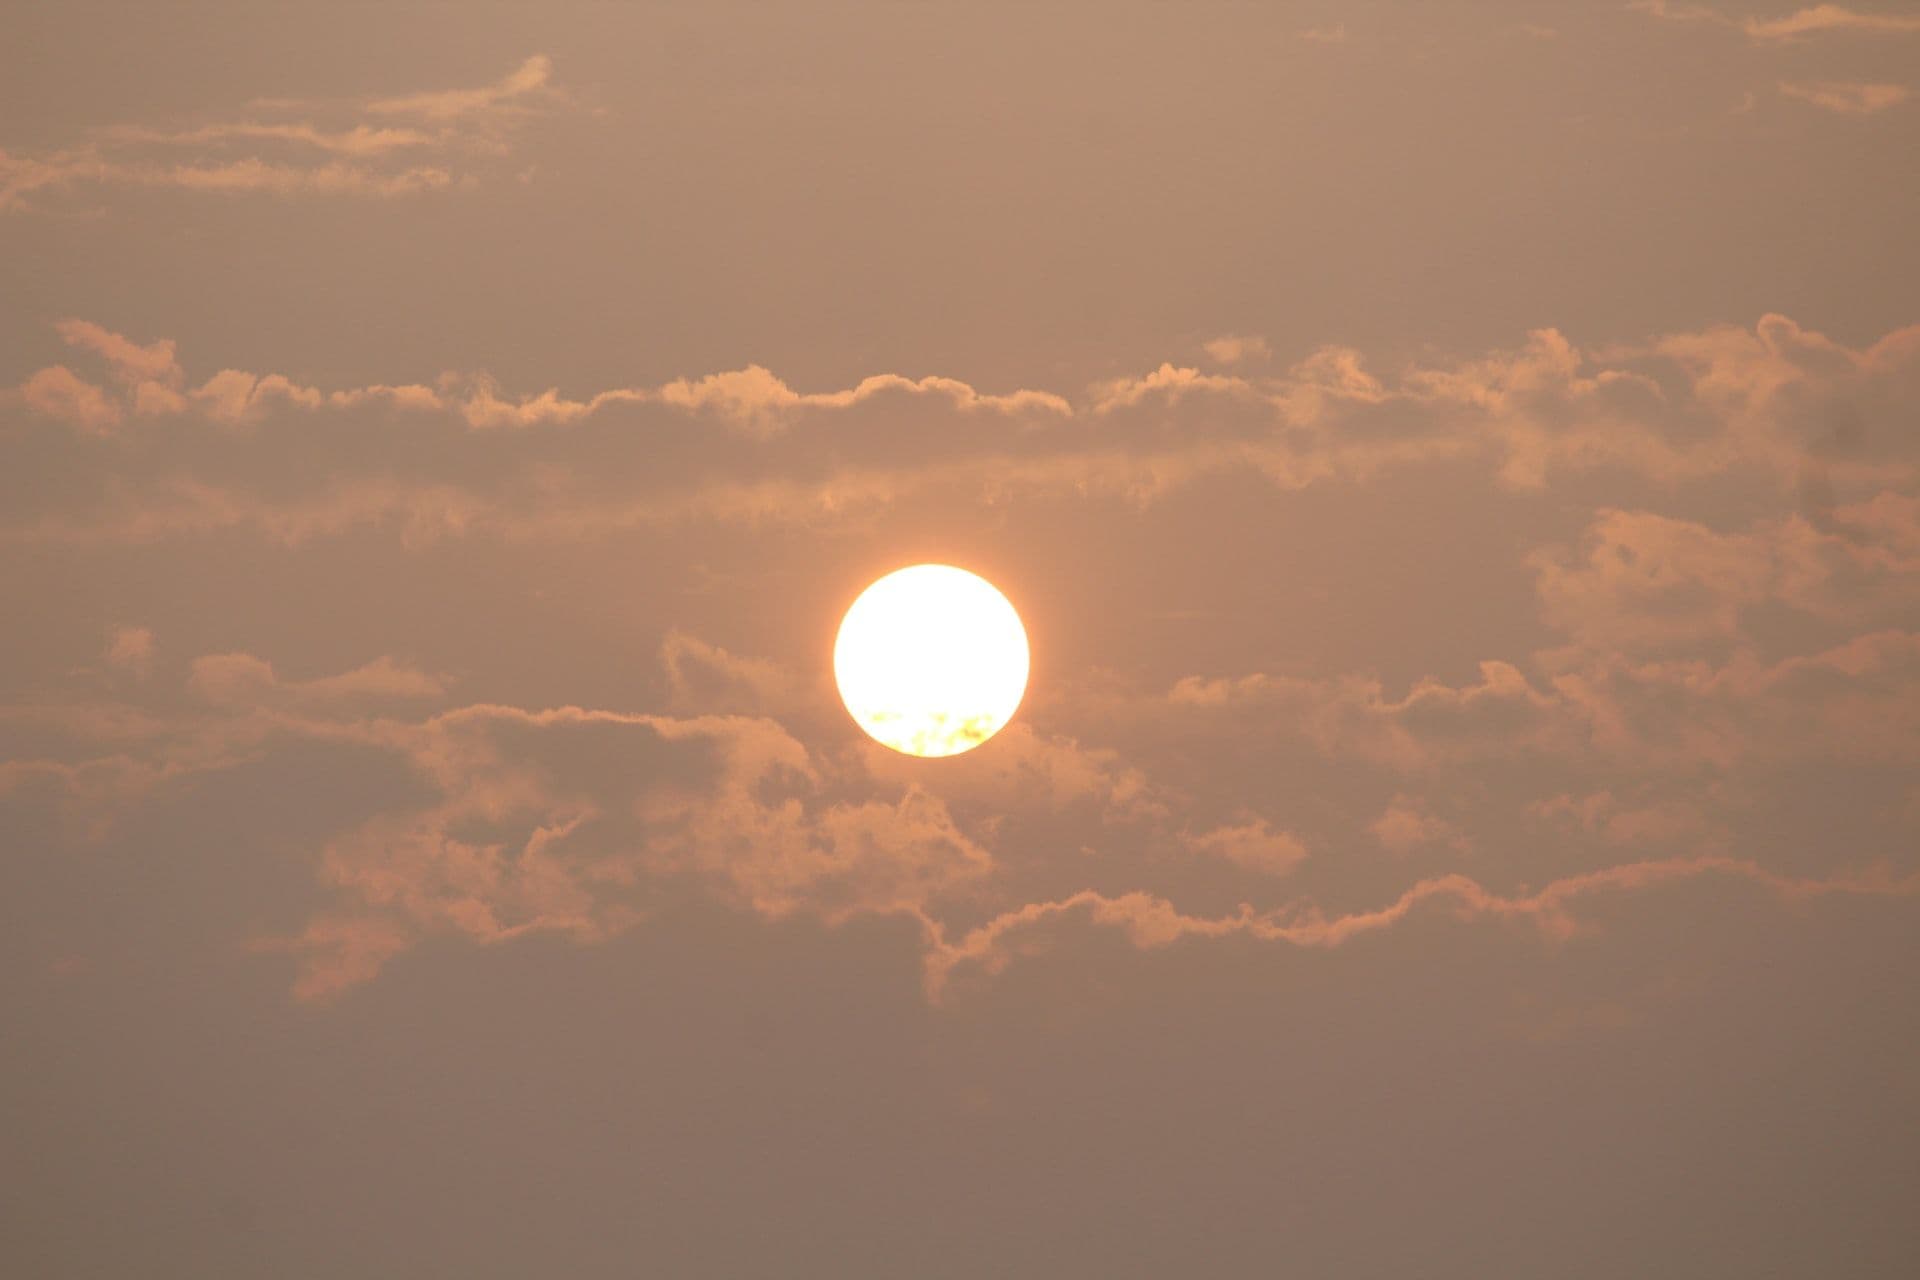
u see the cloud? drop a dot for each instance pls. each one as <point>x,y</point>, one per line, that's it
<point>1815,20</point>
<point>559,820</point>
<point>1251,845</point>
<point>1233,349</point>
<point>1649,582</point>
<point>531,79</point>
<point>752,399</point>
<point>1353,716</point>
<point>581,822</point>
<point>1828,17</point>
<point>1030,778</point>
<point>130,649</point>
<point>706,679</point>
<point>338,953</point>
<point>449,137</point>
<point>1848,98</point>
<point>58,393</point>
<point>21,177</point>
<point>1586,707</point>
<point>1673,822</point>
<point>1855,701</point>
<point>1702,655</point>
<point>755,400</point>
<point>417,515</point>
<point>254,175</point>
<point>131,362</point>
<point>484,409</point>
<point>1151,921</point>
<point>233,396</point>
<point>239,680</point>
<point>1167,384</point>
<point>1776,402</point>
<point>359,141</point>
<point>1407,825</point>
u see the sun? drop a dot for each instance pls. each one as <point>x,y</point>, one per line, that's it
<point>931,660</point>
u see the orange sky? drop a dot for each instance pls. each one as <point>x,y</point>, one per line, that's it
<point>1457,465</point>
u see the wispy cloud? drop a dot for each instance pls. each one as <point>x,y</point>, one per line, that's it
<point>130,649</point>
<point>1236,348</point>
<point>1408,825</point>
<point>1152,921</point>
<point>1828,17</point>
<point>525,85</point>
<point>378,147</point>
<point>1848,98</point>
<point>1813,20</point>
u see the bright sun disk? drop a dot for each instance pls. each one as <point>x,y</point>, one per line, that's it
<point>931,660</point>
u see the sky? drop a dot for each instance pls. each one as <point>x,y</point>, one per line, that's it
<point>1457,467</point>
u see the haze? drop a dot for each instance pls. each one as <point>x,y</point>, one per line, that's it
<point>1457,466</point>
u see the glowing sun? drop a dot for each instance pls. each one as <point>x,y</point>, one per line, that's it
<point>931,660</point>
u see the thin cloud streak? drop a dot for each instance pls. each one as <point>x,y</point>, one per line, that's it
<point>1817,19</point>
<point>1149,921</point>
<point>451,126</point>
<point>1844,98</point>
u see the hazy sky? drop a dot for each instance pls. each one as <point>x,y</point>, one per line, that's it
<point>1459,467</point>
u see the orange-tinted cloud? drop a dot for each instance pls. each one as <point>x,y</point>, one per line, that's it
<point>1776,402</point>
<point>1828,17</point>
<point>1816,19</point>
<point>130,649</point>
<point>1407,825</point>
<point>531,79</point>
<point>357,157</point>
<point>1150,921</point>
<point>58,393</point>
<point>1252,845</point>
<point>572,821</point>
<point>1847,97</point>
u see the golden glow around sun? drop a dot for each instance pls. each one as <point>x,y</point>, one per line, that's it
<point>931,660</point>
